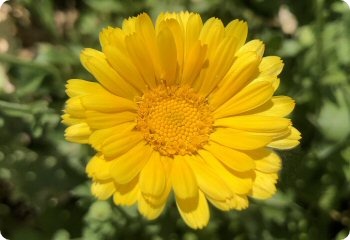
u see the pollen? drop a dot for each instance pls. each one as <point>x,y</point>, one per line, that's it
<point>174,120</point>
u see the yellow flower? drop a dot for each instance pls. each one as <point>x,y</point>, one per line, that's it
<point>181,106</point>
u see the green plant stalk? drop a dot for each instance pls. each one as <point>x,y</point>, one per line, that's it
<point>45,68</point>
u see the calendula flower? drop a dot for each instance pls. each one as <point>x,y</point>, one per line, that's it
<point>181,106</point>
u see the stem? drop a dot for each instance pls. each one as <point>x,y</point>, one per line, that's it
<point>15,106</point>
<point>17,61</point>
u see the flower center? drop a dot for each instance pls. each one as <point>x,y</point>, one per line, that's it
<point>174,120</point>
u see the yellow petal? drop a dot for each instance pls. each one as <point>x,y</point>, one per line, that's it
<point>239,30</point>
<point>127,166</point>
<point>233,159</point>
<point>193,63</point>
<point>167,53</point>
<point>112,37</point>
<point>127,194</point>
<point>78,87</point>
<point>255,45</point>
<point>194,26</point>
<point>194,211</point>
<point>250,97</point>
<point>264,185</point>
<point>243,71</point>
<point>145,27</point>
<point>149,210</point>
<point>67,119</point>
<point>161,199</point>
<point>152,176</point>
<point>78,133</point>
<point>96,63</point>
<point>128,25</point>
<point>75,108</point>
<point>97,138</point>
<point>278,106</point>
<point>119,59</point>
<point>287,142</point>
<point>120,143</point>
<point>219,64</point>
<point>237,182</point>
<point>264,124</point>
<point>178,35</point>
<point>141,59</point>
<point>273,80</point>
<point>100,120</point>
<point>102,189</point>
<point>239,139</point>
<point>183,180</point>
<point>98,168</point>
<point>208,181</point>
<point>268,163</point>
<point>107,103</point>
<point>271,65</point>
<point>212,33</point>
<point>237,202</point>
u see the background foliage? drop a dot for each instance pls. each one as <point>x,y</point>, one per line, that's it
<point>44,192</point>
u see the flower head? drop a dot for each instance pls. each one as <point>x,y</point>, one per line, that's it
<point>180,106</point>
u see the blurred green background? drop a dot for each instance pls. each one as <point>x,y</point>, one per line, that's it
<point>44,192</point>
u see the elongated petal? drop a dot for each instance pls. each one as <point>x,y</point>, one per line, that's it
<point>119,59</point>
<point>120,143</point>
<point>237,182</point>
<point>263,124</point>
<point>239,139</point>
<point>75,108</point>
<point>100,120</point>
<point>233,159</point>
<point>237,202</point>
<point>129,165</point>
<point>149,210</point>
<point>237,29</point>
<point>102,190</point>
<point>78,133</point>
<point>67,119</point>
<point>212,33</point>
<point>145,27</point>
<point>193,28</point>
<point>183,180</point>
<point>161,199</point>
<point>243,71</point>
<point>127,194</point>
<point>112,37</point>
<point>273,80</point>
<point>141,59</point>
<point>194,211</point>
<point>278,106</point>
<point>107,103</point>
<point>288,142</point>
<point>248,98</point>
<point>78,87</point>
<point>264,185</point>
<point>193,63</point>
<point>219,64</point>
<point>208,181</point>
<point>97,138</point>
<point>96,63</point>
<point>255,45</point>
<point>152,176</point>
<point>271,65</point>
<point>98,168</point>
<point>168,55</point>
<point>269,163</point>
<point>177,33</point>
